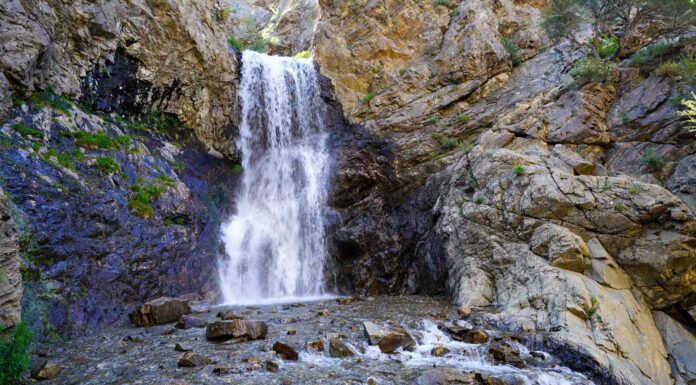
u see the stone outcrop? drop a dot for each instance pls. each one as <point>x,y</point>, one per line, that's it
<point>10,278</point>
<point>179,59</point>
<point>681,347</point>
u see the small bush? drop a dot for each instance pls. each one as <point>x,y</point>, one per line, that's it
<point>93,141</point>
<point>303,55</point>
<point>478,199</point>
<point>464,118</point>
<point>141,209</point>
<point>518,170</point>
<point>593,309</point>
<point>49,98</point>
<point>513,49</point>
<point>444,3</point>
<point>225,14</point>
<point>689,113</point>
<point>368,98</point>
<point>14,355</point>
<point>234,43</point>
<point>446,144</point>
<point>651,159</point>
<point>237,168</point>
<point>591,70</point>
<point>620,207</point>
<point>27,131</point>
<point>668,69</point>
<point>259,45</point>
<point>107,165</point>
<point>650,56</point>
<point>608,47</point>
<point>633,190</point>
<point>166,180</point>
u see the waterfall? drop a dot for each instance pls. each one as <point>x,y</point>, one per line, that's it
<point>275,243</point>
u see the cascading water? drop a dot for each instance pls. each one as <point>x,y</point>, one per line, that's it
<point>275,243</point>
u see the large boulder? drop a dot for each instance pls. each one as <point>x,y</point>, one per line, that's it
<point>10,277</point>
<point>159,311</point>
<point>227,330</point>
<point>681,347</point>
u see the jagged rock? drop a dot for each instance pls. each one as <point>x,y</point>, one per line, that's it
<point>46,370</point>
<point>159,311</point>
<point>286,351</point>
<point>470,336</point>
<point>373,332</point>
<point>10,277</point>
<point>292,332</point>
<point>338,348</point>
<point>271,366</point>
<point>228,315</point>
<point>226,330</point>
<point>188,322</point>
<point>503,353</point>
<point>439,351</point>
<point>190,360</point>
<point>563,248</point>
<point>5,98</point>
<point>681,347</point>
<point>394,340</point>
<point>179,347</point>
<point>604,269</point>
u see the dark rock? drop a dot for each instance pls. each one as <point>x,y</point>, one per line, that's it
<point>46,370</point>
<point>228,315</point>
<point>286,351</point>
<point>137,340</point>
<point>292,332</point>
<point>271,366</point>
<point>159,311</point>
<point>188,322</point>
<point>190,360</point>
<point>227,330</point>
<point>394,340</point>
<point>317,345</point>
<point>470,336</point>
<point>182,348</point>
<point>338,348</point>
<point>503,353</point>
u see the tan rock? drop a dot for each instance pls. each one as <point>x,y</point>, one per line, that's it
<point>159,311</point>
<point>46,371</point>
<point>563,248</point>
<point>604,269</point>
<point>11,288</point>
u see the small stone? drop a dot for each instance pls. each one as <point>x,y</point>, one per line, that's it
<point>373,332</point>
<point>390,342</point>
<point>323,313</point>
<point>190,360</point>
<point>252,360</point>
<point>439,351</point>
<point>292,332</point>
<point>188,322</point>
<point>46,371</point>
<point>137,340</point>
<point>271,366</point>
<point>228,315</point>
<point>338,348</point>
<point>182,348</point>
<point>503,353</point>
<point>317,346</point>
<point>464,311</point>
<point>475,336</point>
<point>286,351</point>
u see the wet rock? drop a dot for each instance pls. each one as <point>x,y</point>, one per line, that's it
<point>227,330</point>
<point>317,346</point>
<point>464,311</point>
<point>188,322</point>
<point>199,307</point>
<point>373,332</point>
<point>286,351</point>
<point>228,315</point>
<point>159,311</point>
<point>394,340</point>
<point>348,301</point>
<point>338,349</point>
<point>292,332</point>
<point>190,360</point>
<point>46,370</point>
<point>439,351</point>
<point>136,339</point>
<point>470,336</point>
<point>446,376</point>
<point>179,347</point>
<point>503,353</point>
<point>271,366</point>
<point>323,313</point>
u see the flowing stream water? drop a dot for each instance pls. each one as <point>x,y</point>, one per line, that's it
<point>275,243</point>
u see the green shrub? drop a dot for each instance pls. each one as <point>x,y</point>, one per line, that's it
<point>14,355</point>
<point>668,69</point>
<point>633,190</point>
<point>518,170</point>
<point>651,159</point>
<point>464,118</point>
<point>107,165</point>
<point>49,98</point>
<point>689,113</point>
<point>259,45</point>
<point>225,14</point>
<point>650,56</point>
<point>478,199</point>
<point>591,70</point>
<point>237,168</point>
<point>368,98</point>
<point>593,309</point>
<point>513,49</point>
<point>93,141</point>
<point>620,207</point>
<point>303,55</point>
<point>165,180</point>
<point>234,43</point>
<point>444,3</point>
<point>141,209</point>
<point>446,143</point>
<point>608,47</point>
<point>27,131</point>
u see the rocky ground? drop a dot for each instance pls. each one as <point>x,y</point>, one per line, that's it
<point>312,343</point>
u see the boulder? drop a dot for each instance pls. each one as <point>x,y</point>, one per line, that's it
<point>271,366</point>
<point>439,351</point>
<point>373,332</point>
<point>46,370</point>
<point>190,360</point>
<point>446,376</point>
<point>563,248</point>
<point>227,330</point>
<point>159,311</point>
<point>188,322</point>
<point>323,313</point>
<point>504,353</point>
<point>470,336</point>
<point>681,347</point>
<point>317,346</point>
<point>286,351</point>
<point>180,347</point>
<point>338,349</point>
<point>394,340</point>
<point>228,315</point>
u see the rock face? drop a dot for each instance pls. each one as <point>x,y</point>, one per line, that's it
<point>681,347</point>
<point>172,47</point>
<point>10,278</point>
<point>160,311</point>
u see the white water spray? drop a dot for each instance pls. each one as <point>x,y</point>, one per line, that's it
<point>275,243</point>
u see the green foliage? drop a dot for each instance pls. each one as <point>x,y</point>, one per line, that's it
<point>225,14</point>
<point>607,46</point>
<point>689,113</point>
<point>651,159</point>
<point>145,193</point>
<point>592,311</point>
<point>518,170</point>
<point>620,207</point>
<point>433,120</point>
<point>633,190</point>
<point>444,3</point>
<point>234,43</point>
<point>14,355</point>
<point>478,199</point>
<point>591,70</point>
<point>259,44</point>
<point>107,165</point>
<point>94,141</point>
<point>155,3</point>
<point>49,98</point>
<point>27,131</point>
<point>303,55</point>
<point>561,18</point>
<point>141,209</point>
<point>237,168</point>
<point>513,49</point>
<point>446,143</point>
<point>165,180</point>
<point>368,98</point>
<point>650,56</point>
<point>464,118</point>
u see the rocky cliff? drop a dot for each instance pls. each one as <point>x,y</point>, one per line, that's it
<point>10,279</point>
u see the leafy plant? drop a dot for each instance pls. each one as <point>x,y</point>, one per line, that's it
<point>368,98</point>
<point>259,44</point>
<point>513,50</point>
<point>234,43</point>
<point>303,55</point>
<point>225,14</point>
<point>591,70</point>
<point>49,98</point>
<point>107,165</point>
<point>478,199</point>
<point>518,170</point>
<point>650,56</point>
<point>464,118</point>
<point>14,355</point>
<point>651,159</point>
<point>237,168</point>
<point>446,143</point>
<point>592,310</point>
<point>620,207</point>
<point>668,69</point>
<point>443,3</point>
<point>689,112</point>
<point>27,131</point>
<point>633,190</point>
